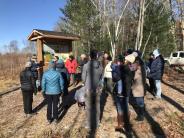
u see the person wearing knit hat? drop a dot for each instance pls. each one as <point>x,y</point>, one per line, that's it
<point>52,86</point>
<point>156,71</point>
<point>60,67</point>
<point>123,109</point>
<point>28,64</point>
<point>156,53</point>
<point>130,58</point>
<point>28,87</point>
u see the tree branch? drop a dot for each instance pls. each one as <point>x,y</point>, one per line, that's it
<point>147,41</point>
<point>117,28</point>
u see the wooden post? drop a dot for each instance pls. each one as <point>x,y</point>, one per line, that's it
<point>40,58</point>
<point>39,50</point>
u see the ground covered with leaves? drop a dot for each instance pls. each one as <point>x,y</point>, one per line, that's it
<point>163,118</point>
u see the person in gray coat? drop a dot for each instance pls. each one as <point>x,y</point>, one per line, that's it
<point>92,78</point>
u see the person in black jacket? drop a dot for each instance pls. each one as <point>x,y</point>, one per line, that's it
<point>123,98</point>
<point>157,71</point>
<point>35,67</point>
<point>28,87</point>
<point>151,80</point>
<point>60,67</point>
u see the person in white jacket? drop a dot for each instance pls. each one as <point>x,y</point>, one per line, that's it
<point>108,75</point>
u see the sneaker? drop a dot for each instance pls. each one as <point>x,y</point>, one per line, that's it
<point>158,97</point>
<point>29,115</point>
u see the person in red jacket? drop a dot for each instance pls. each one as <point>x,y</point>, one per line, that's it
<point>71,65</point>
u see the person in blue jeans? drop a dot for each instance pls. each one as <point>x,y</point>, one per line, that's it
<point>52,86</point>
<point>122,99</point>
<point>138,87</point>
<point>116,77</point>
<point>156,71</point>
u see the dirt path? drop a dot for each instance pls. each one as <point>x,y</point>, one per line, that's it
<point>164,118</point>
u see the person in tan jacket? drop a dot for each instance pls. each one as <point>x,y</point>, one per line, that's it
<point>138,87</point>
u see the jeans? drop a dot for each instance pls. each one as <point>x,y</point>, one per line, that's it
<point>139,101</point>
<point>122,105</point>
<point>123,111</point>
<point>52,106</point>
<point>27,101</point>
<point>120,86</point>
<point>158,88</point>
<point>92,101</point>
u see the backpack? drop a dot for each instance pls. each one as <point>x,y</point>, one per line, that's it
<point>116,73</point>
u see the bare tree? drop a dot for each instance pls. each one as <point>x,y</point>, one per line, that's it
<point>111,13</point>
<point>13,47</point>
<point>29,47</point>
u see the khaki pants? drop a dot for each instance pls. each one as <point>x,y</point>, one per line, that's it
<point>92,101</point>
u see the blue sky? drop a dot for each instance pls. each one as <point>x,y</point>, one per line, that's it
<point>19,17</point>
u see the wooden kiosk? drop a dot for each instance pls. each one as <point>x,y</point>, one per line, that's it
<point>57,43</point>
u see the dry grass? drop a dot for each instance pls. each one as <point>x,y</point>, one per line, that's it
<point>10,68</point>
<point>8,84</point>
<point>164,118</point>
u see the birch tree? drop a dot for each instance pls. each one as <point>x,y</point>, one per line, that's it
<point>111,13</point>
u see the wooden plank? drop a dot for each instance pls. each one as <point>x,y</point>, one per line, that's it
<point>39,44</point>
<point>35,38</point>
<point>40,58</point>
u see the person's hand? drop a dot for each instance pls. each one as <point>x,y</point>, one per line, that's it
<point>38,69</point>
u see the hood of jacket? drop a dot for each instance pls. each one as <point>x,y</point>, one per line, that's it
<point>60,65</point>
<point>156,53</point>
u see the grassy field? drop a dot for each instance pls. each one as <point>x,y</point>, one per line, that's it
<point>8,84</point>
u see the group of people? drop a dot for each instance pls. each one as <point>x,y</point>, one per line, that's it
<point>124,77</point>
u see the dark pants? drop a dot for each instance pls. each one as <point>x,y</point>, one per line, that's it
<point>139,101</point>
<point>52,106</point>
<point>109,85</point>
<point>27,101</point>
<point>122,105</point>
<point>152,85</point>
